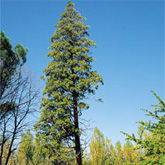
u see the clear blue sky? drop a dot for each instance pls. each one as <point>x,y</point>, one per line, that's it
<point>130,53</point>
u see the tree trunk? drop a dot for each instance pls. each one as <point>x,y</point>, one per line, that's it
<point>3,142</point>
<point>11,144</point>
<point>77,136</point>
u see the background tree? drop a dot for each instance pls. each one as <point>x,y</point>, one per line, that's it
<point>99,148</point>
<point>18,97</point>
<point>11,60</point>
<point>113,155</point>
<point>130,155</point>
<point>69,80</point>
<point>40,153</point>
<point>12,159</point>
<point>26,150</point>
<point>119,153</point>
<point>14,124</point>
<point>102,152</point>
<point>151,138</point>
<point>45,154</point>
<point>86,158</point>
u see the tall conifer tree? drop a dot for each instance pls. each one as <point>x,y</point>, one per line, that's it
<point>69,80</point>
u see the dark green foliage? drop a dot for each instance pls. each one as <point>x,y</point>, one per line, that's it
<point>69,80</point>
<point>11,61</point>
<point>6,108</point>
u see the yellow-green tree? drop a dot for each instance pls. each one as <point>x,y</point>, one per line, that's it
<point>99,148</point>
<point>26,150</point>
<point>130,155</point>
<point>12,159</point>
<point>113,155</point>
<point>69,80</point>
<point>119,153</point>
<point>102,152</point>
